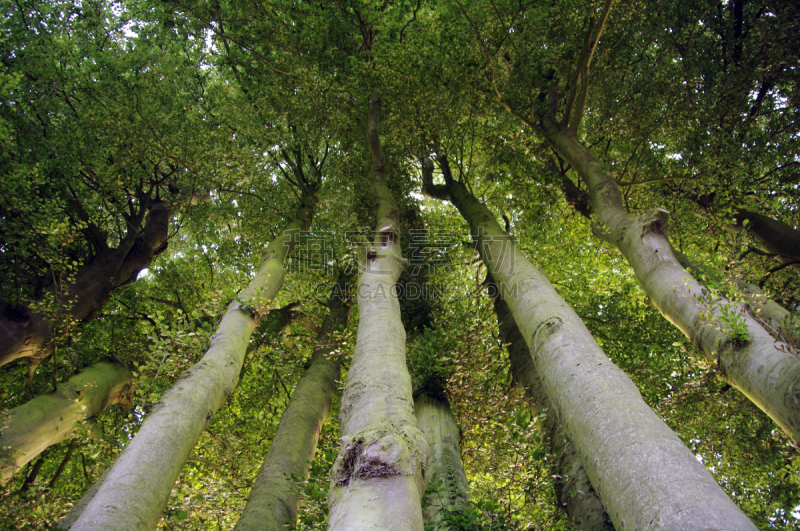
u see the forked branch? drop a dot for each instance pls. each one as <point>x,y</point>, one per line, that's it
<point>435,191</point>
<point>580,80</point>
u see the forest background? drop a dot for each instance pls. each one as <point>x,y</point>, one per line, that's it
<point>152,150</point>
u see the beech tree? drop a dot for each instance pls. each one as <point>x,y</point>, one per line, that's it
<point>86,205</point>
<point>501,214</point>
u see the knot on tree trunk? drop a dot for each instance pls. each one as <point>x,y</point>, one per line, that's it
<point>376,453</point>
<point>656,221</point>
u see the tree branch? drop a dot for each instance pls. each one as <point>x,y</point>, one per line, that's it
<point>582,70</point>
<point>413,18</point>
<point>428,188</point>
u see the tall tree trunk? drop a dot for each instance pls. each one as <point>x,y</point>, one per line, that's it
<point>269,326</point>
<point>748,357</point>
<point>377,481</point>
<point>136,490</point>
<point>642,471</point>
<point>48,419</point>
<point>574,492</point>
<point>447,494</point>
<point>273,501</point>
<point>777,321</point>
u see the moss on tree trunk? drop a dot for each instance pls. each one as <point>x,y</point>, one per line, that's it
<point>273,501</point>
<point>447,492</point>
<point>377,481</point>
<point>642,471</point>
<point>48,419</point>
<point>136,489</point>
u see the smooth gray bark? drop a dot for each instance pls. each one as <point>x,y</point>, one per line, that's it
<point>773,236</point>
<point>271,324</point>
<point>137,488</point>
<point>48,419</point>
<point>68,521</point>
<point>777,320</point>
<point>766,371</point>
<point>447,490</point>
<point>377,481</point>
<point>643,473</point>
<point>273,501</point>
<point>574,492</point>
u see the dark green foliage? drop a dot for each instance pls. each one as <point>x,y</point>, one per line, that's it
<point>107,108</point>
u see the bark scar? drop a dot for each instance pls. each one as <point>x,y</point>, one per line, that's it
<point>347,460</point>
<point>656,221</point>
<point>549,327</point>
<point>385,454</point>
<point>387,235</point>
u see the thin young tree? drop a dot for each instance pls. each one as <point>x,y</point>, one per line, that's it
<point>274,498</point>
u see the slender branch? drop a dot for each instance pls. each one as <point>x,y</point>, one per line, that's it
<point>655,180</point>
<point>63,465</point>
<point>413,18</point>
<point>34,472</point>
<point>286,175</point>
<point>575,121</point>
<point>697,23</point>
<point>599,30</point>
<point>22,14</point>
<point>778,168</point>
<point>582,69</point>
<point>168,302</point>
<point>776,269</point>
<point>240,192</point>
<point>756,250</point>
<point>208,23</point>
<point>285,390</point>
<point>573,86</point>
